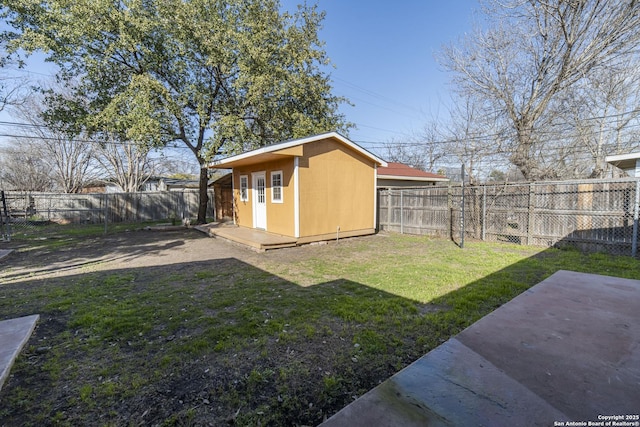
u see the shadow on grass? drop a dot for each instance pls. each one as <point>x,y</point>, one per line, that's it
<point>222,341</point>
<point>213,341</point>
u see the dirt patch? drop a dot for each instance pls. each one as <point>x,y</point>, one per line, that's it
<point>172,327</point>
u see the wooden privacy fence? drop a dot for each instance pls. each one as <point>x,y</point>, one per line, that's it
<point>599,215</point>
<point>34,207</point>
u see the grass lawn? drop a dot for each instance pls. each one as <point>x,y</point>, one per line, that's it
<point>283,338</point>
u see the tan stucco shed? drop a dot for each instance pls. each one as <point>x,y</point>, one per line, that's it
<point>310,189</point>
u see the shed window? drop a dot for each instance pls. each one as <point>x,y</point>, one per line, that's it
<point>276,187</point>
<point>244,188</point>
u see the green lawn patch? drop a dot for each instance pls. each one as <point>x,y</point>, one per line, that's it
<point>282,338</point>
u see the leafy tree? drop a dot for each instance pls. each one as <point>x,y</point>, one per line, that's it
<point>215,75</point>
<point>497,176</point>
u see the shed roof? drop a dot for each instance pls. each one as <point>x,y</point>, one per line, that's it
<point>223,180</point>
<point>288,149</point>
<point>400,171</point>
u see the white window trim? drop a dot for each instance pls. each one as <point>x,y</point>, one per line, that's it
<point>271,175</point>
<point>246,188</point>
<point>259,209</point>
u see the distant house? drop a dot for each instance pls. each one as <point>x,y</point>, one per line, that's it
<point>630,163</point>
<point>100,186</point>
<point>152,184</point>
<point>401,175</point>
<point>170,184</point>
<point>310,189</point>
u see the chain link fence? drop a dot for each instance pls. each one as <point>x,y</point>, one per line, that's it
<point>25,212</point>
<point>593,215</point>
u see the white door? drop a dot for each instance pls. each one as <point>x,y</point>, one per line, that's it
<point>259,200</point>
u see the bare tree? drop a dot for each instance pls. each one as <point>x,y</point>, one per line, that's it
<point>603,117</point>
<point>23,168</point>
<point>428,149</point>
<point>70,159</point>
<point>421,150</point>
<point>174,163</point>
<point>532,53</point>
<point>11,87</point>
<point>472,139</point>
<point>124,163</point>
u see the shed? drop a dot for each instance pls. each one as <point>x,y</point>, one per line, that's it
<point>223,194</point>
<point>400,175</point>
<point>310,189</point>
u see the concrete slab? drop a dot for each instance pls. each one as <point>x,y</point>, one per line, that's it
<point>5,252</point>
<point>14,334</point>
<point>568,349</point>
<point>573,339</point>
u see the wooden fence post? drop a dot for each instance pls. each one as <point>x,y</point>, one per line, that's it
<point>401,212</point>
<point>4,216</point>
<point>105,211</point>
<point>483,225</point>
<point>636,214</point>
<point>585,203</point>
<point>530,214</point>
<point>389,210</point>
<point>450,210</point>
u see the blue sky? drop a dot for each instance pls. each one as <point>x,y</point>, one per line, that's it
<point>384,58</point>
<point>384,54</point>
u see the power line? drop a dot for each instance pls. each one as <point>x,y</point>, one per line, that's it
<point>381,107</point>
<point>487,138</point>
<point>376,94</point>
<point>382,129</point>
<point>511,135</point>
<point>85,141</point>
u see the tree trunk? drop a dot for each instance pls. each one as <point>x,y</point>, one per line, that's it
<point>521,157</point>
<point>204,196</point>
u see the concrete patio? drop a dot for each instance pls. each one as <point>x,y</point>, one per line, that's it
<point>14,334</point>
<point>5,252</point>
<point>568,349</point>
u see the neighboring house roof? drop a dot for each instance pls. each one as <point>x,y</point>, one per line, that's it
<point>400,171</point>
<point>288,148</point>
<point>630,163</point>
<point>223,180</point>
<point>180,183</point>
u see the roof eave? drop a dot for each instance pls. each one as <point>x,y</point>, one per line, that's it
<point>412,178</point>
<point>260,154</point>
<point>624,161</point>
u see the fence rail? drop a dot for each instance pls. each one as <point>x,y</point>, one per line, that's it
<point>597,215</point>
<point>29,209</point>
<point>592,215</point>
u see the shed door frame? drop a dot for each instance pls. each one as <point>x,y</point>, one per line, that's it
<point>259,181</point>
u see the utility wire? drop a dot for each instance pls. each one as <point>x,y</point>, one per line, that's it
<point>375,94</point>
<point>486,138</point>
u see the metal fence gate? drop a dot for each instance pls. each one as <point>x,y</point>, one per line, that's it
<point>594,215</point>
<point>5,223</point>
